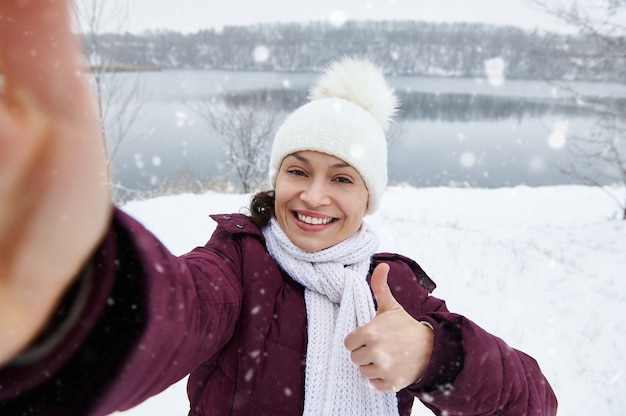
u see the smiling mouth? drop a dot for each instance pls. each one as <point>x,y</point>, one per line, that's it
<point>314,220</point>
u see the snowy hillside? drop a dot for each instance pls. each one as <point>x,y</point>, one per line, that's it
<point>543,268</point>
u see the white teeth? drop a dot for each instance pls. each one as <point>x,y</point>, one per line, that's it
<point>313,221</point>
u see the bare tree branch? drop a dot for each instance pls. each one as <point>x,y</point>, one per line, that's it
<point>599,156</point>
<point>120,94</point>
<point>246,128</point>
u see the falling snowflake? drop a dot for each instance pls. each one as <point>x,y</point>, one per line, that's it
<point>181,118</point>
<point>139,161</point>
<point>467,159</point>
<point>337,18</point>
<point>558,135</point>
<point>494,69</point>
<point>357,151</point>
<point>261,53</point>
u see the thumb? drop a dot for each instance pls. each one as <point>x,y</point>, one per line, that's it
<point>382,293</point>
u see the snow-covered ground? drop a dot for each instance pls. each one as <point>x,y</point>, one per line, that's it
<point>543,268</point>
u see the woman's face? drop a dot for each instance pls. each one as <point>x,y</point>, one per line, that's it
<point>320,199</point>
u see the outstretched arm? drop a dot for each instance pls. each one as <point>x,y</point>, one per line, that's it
<point>54,198</point>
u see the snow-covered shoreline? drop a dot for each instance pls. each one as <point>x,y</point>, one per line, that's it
<point>543,268</point>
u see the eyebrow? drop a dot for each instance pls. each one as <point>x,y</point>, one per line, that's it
<point>334,166</point>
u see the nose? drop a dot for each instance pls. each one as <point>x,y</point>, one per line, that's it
<point>316,194</point>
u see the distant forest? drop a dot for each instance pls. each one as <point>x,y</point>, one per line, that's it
<point>403,47</point>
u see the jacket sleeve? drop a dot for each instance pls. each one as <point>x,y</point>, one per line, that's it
<point>474,372</point>
<point>149,318</point>
<point>471,371</point>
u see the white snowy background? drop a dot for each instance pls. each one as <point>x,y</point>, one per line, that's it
<point>543,268</point>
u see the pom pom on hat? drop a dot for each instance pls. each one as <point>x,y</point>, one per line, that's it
<point>363,83</point>
<point>351,106</point>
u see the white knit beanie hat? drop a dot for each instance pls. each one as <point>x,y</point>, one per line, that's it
<point>349,111</point>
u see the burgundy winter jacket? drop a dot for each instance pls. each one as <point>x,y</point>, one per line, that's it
<point>139,319</point>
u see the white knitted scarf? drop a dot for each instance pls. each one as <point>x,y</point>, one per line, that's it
<point>338,299</point>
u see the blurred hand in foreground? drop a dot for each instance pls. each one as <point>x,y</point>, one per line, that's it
<point>54,197</point>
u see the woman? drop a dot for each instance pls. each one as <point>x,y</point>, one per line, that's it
<point>288,311</point>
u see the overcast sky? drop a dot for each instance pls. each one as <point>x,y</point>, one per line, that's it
<point>193,15</point>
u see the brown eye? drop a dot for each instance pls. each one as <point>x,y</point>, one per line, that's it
<point>343,179</point>
<point>297,172</point>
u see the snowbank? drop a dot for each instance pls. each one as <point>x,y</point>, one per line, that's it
<point>543,268</point>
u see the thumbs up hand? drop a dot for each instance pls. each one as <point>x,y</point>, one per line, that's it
<point>392,350</point>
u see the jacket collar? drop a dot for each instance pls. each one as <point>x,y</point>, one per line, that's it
<point>238,224</point>
<point>241,224</point>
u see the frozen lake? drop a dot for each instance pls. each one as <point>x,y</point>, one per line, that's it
<point>450,131</point>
